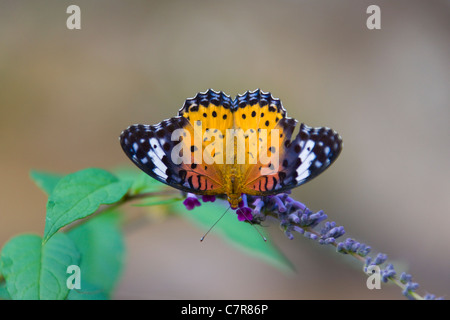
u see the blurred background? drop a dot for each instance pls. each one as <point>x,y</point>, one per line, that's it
<point>65,96</point>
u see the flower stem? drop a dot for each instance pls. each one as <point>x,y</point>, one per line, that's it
<point>361,259</point>
<point>127,198</point>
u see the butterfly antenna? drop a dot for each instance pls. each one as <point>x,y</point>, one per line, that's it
<point>251,223</point>
<point>202,238</point>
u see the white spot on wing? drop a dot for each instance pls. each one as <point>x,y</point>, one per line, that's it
<point>303,169</point>
<point>303,176</point>
<point>159,151</point>
<point>160,173</point>
<point>156,155</point>
<point>305,152</point>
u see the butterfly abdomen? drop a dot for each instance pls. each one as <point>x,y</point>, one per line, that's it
<point>233,182</point>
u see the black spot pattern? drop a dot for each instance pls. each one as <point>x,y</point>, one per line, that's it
<point>204,98</point>
<point>241,101</point>
<point>263,98</point>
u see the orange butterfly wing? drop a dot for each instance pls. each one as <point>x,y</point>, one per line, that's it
<point>270,162</point>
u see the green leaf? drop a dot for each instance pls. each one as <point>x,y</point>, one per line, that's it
<point>45,181</point>
<point>4,295</point>
<point>80,194</point>
<point>238,233</point>
<point>101,244</point>
<point>34,270</point>
<point>144,183</point>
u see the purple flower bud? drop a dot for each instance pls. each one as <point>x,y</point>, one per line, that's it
<point>296,204</point>
<point>317,217</point>
<point>280,204</point>
<point>364,250</point>
<point>348,243</point>
<point>329,240</point>
<point>244,213</point>
<point>388,273</point>
<point>380,258</point>
<point>340,248</point>
<point>299,230</point>
<point>258,204</point>
<point>405,278</point>
<point>294,218</point>
<point>410,287</point>
<point>206,198</point>
<point>310,235</point>
<point>340,232</point>
<point>191,201</point>
<point>355,247</point>
<point>330,225</point>
<point>313,236</point>
<point>289,234</point>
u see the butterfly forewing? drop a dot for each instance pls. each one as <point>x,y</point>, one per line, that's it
<point>151,149</point>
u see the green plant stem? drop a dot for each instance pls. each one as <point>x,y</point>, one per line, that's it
<point>125,199</point>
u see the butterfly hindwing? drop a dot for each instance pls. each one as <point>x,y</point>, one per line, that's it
<point>310,153</point>
<point>313,150</point>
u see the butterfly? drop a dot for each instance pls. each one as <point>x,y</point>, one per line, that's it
<point>222,146</point>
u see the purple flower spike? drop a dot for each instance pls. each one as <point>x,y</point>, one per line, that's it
<point>208,198</point>
<point>191,201</point>
<point>294,216</point>
<point>244,213</point>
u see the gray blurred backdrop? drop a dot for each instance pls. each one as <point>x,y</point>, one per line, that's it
<point>65,96</point>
